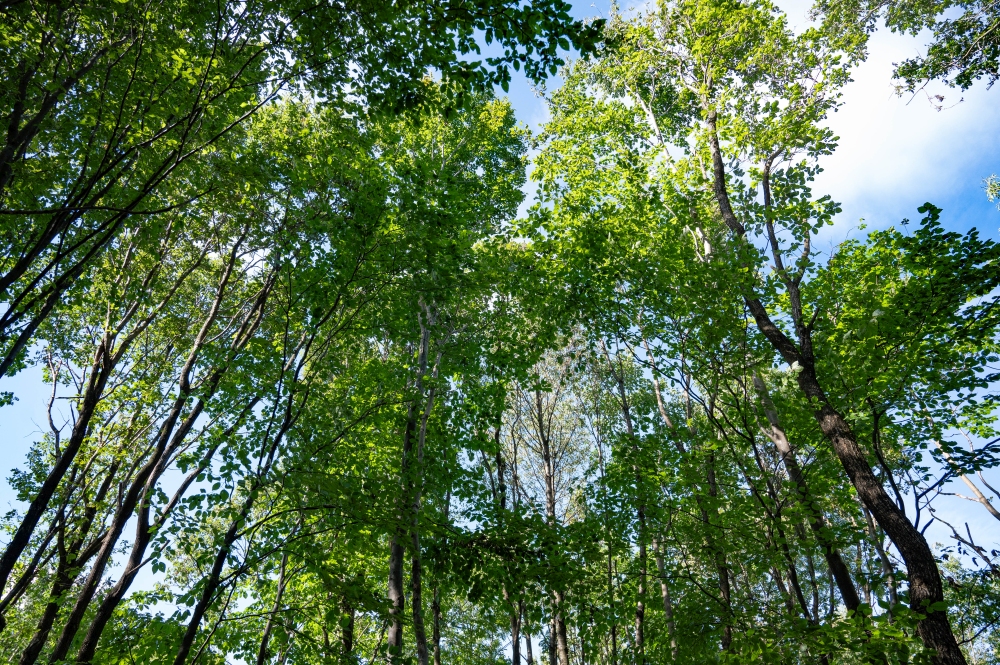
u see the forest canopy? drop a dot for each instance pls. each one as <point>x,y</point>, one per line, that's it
<point>324,386</point>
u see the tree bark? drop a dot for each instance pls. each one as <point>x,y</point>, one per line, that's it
<point>397,597</point>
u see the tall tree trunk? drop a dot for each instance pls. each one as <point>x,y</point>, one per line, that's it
<point>640,600</point>
<point>416,602</point>
<point>105,359</point>
<point>69,564</point>
<point>137,489</point>
<point>924,578</point>
<point>409,515</point>
<point>722,566</point>
<point>209,589</point>
<point>553,658</point>
<point>562,643</point>
<point>515,637</point>
<point>72,557</point>
<point>557,632</point>
<point>213,581</point>
<point>167,440</point>
<point>718,552</point>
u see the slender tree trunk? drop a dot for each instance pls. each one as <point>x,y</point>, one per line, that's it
<point>640,602</point>
<point>213,581</point>
<point>167,440</point>
<point>347,628</point>
<point>924,578</point>
<point>64,577</point>
<point>100,372</point>
<point>263,653</point>
<point>104,362</point>
<point>436,609</point>
<point>817,523</point>
<point>562,643</point>
<point>527,649</point>
<point>668,608</point>
<point>208,591</point>
<point>71,560</point>
<point>143,533</point>
<point>515,637</point>
<point>125,510</point>
<point>718,552</point>
<point>720,558</point>
<point>397,597</point>
<point>397,600</point>
<point>553,659</point>
<point>43,554</point>
<point>416,602</point>
<point>409,513</point>
<point>611,603</point>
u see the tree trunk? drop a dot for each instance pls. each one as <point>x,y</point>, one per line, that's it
<point>100,372</point>
<point>668,608</point>
<point>562,643</point>
<point>515,637</point>
<point>397,597</point>
<point>416,602</point>
<point>436,609</point>
<point>208,591</point>
<point>347,629</point>
<point>924,577</point>
<point>640,602</point>
<point>71,559</point>
<point>553,660</point>
<point>721,565</point>
<point>817,523</point>
<point>263,653</point>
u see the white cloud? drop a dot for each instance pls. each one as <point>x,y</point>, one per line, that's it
<point>897,152</point>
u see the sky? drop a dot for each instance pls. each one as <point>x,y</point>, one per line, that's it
<point>894,154</point>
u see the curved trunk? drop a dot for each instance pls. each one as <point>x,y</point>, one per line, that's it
<point>924,578</point>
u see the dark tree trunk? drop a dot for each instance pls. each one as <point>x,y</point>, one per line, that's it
<point>99,374</point>
<point>924,577</point>
<point>436,631</point>
<point>347,628</point>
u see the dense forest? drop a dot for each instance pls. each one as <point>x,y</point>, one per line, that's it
<point>326,386</point>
